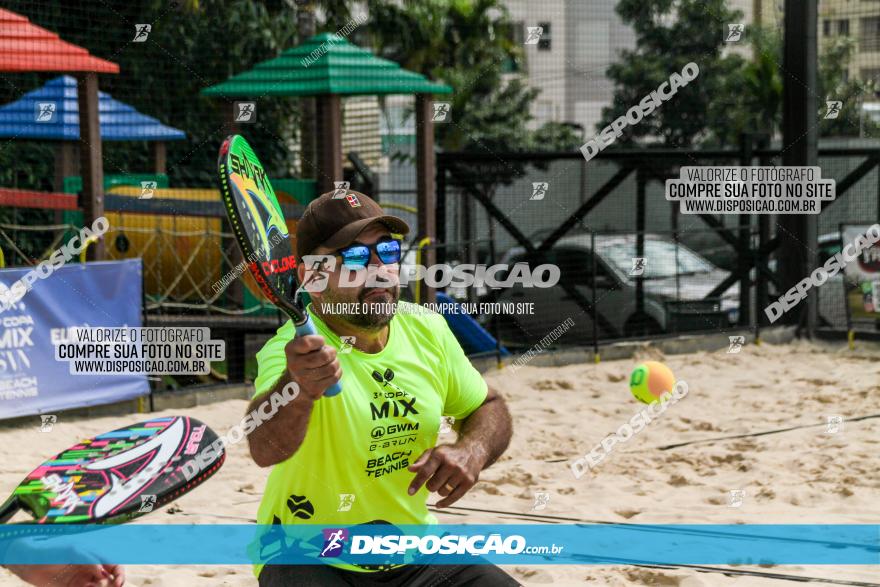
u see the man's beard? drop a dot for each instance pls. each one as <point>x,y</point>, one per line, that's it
<point>376,311</point>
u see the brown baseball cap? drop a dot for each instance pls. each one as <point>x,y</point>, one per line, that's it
<point>335,219</point>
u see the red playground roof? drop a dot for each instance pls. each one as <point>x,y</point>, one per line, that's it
<point>27,47</point>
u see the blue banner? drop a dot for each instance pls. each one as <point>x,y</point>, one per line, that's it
<point>579,544</point>
<point>92,294</point>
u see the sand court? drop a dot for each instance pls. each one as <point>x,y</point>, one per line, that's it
<point>750,443</point>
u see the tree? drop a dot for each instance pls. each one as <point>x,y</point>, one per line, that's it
<point>754,97</point>
<point>669,35</point>
<point>835,84</point>
<point>465,43</point>
<point>732,95</point>
<point>751,100</point>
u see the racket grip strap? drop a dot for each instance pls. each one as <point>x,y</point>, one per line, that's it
<point>304,329</point>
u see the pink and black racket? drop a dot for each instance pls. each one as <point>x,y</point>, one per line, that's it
<point>119,475</point>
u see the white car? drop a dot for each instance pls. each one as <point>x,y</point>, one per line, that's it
<point>673,276</point>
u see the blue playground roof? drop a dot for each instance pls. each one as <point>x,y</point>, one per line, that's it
<point>33,117</point>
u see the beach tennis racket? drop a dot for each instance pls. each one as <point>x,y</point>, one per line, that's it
<point>119,475</point>
<point>261,231</point>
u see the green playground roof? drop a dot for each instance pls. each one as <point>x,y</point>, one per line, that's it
<point>325,64</point>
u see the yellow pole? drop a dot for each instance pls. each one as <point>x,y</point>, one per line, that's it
<point>2,259</point>
<point>395,206</point>
<point>86,245</point>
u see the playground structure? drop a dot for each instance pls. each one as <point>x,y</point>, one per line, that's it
<point>55,102</point>
<point>25,47</point>
<point>181,233</point>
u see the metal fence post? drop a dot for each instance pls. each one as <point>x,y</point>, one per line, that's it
<point>744,259</point>
<point>593,310</point>
<point>641,180</point>
<point>762,294</point>
<point>440,220</point>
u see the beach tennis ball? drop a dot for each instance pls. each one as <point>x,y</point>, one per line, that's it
<point>650,380</point>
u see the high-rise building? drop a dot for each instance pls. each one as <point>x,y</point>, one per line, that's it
<point>579,39</point>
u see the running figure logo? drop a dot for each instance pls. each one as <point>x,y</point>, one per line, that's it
<point>346,500</point>
<point>735,498</point>
<point>47,422</point>
<point>638,266</point>
<point>542,498</point>
<point>833,108</point>
<point>441,112</point>
<point>45,111</point>
<point>147,189</point>
<point>348,343</point>
<point>142,31</point>
<point>539,189</point>
<point>446,423</point>
<point>334,540</point>
<point>736,344</point>
<point>535,33</point>
<point>734,32</point>
<point>148,502</point>
<point>245,111</point>
<point>318,270</point>
<point>340,188</point>
<point>834,424</point>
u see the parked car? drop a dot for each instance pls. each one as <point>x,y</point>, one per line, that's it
<point>673,272</point>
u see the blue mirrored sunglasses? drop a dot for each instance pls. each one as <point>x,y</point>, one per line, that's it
<point>358,255</point>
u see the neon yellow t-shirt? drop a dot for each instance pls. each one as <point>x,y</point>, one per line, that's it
<point>352,465</point>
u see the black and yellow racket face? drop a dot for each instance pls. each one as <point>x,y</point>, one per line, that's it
<point>258,223</point>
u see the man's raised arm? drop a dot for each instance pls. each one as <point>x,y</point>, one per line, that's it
<point>313,367</point>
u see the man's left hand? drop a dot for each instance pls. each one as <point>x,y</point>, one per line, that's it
<point>450,470</point>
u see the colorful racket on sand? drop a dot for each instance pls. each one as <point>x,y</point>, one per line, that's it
<point>119,475</point>
<point>261,231</point>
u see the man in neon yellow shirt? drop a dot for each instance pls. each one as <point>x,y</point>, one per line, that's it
<point>369,454</point>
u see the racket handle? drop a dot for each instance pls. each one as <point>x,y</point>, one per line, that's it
<point>305,329</point>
